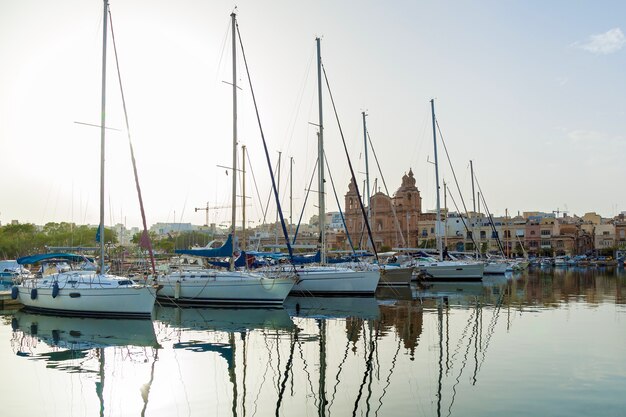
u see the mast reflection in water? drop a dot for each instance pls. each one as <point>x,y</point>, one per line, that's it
<point>535,344</point>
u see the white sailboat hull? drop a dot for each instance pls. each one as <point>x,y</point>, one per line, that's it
<point>87,295</point>
<point>214,287</point>
<point>496,268</point>
<point>330,280</point>
<point>389,274</point>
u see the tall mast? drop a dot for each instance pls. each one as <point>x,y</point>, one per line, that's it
<point>243,196</point>
<point>320,158</point>
<point>474,214</point>
<point>102,131</point>
<point>234,199</point>
<point>473,191</point>
<point>280,154</point>
<point>291,194</point>
<point>367,170</point>
<point>445,208</point>
<point>437,224</point>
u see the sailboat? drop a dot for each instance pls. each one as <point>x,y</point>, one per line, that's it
<point>322,278</point>
<point>230,287</point>
<point>88,293</point>
<point>390,275</point>
<point>440,269</point>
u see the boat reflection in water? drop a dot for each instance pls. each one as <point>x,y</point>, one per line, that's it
<point>76,333</point>
<point>365,308</point>
<point>205,346</point>
<point>223,319</point>
<point>94,350</point>
<point>274,364</point>
<point>450,349</point>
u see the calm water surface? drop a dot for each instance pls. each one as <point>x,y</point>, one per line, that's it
<point>547,343</point>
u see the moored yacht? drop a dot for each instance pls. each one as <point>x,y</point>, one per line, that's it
<point>232,286</point>
<point>322,278</point>
<point>82,292</point>
<point>87,292</point>
<point>496,267</point>
<point>208,286</point>
<point>334,280</point>
<point>431,268</point>
<point>389,274</point>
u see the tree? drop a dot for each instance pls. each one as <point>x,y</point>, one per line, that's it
<point>484,248</point>
<point>136,239</point>
<point>25,239</point>
<point>18,240</point>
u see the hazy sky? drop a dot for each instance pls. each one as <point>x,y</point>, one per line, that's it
<point>533,92</point>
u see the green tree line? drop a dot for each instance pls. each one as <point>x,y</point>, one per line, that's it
<point>26,239</point>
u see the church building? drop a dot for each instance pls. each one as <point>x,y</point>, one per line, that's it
<point>389,229</point>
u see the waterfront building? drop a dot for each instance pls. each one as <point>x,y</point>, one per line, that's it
<point>592,218</point>
<point>455,230</point>
<point>546,228</point>
<point>388,230</point>
<point>620,231</point>
<point>532,231</point>
<point>566,242</point>
<point>604,237</point>
<point>334,221</point>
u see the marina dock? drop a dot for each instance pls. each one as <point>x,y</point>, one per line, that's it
<point>7,303</point>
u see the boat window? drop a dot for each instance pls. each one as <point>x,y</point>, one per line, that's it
<point>125,282</point>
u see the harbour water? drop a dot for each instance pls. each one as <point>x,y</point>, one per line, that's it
<point>539,343</point>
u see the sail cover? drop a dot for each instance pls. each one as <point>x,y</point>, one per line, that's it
<point>33,259</point>
<point>223,251</point>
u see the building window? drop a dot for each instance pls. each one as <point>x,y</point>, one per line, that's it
<point>483,234</point>
<point>545,232</point>
<point>559,244</point>
<point>532,233</point>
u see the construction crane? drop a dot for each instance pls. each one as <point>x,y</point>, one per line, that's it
<point>207,213</point>
<point>207,208</point>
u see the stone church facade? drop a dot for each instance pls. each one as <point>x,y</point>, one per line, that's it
<point>388,230</point>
